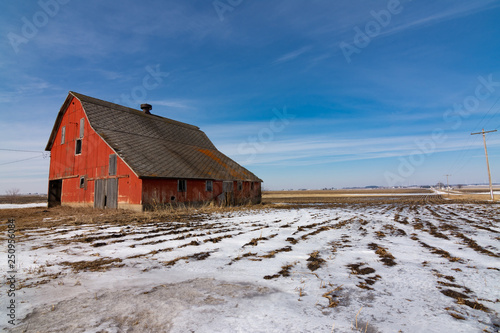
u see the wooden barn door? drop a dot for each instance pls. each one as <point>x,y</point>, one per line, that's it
<point>227,191</point>
<point>112,193</point>
<point>99,193</point>
<point>55,189</point>
<point>106,193</point>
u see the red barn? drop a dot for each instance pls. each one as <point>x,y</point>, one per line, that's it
<point>106,155</point>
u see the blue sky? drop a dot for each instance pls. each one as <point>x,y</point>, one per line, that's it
<point>306,94</point>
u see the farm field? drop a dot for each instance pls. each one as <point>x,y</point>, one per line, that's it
<point>422,265</point>
<point>469,194</point>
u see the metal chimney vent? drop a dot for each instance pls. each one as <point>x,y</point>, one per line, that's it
<point>146,108</point>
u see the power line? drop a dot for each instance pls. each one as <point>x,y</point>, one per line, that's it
<point>491,108</point>
<point>463,156</point>
<point>461,160</point>
<point>23,151</point>
<point>25,159</point>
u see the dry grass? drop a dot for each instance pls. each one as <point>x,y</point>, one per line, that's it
<point>285,271</point>
<point>357,270</point>
<point>344,192</point>
<point>368,196</point>
<point>22,199</point>
<point>315,261</point>
<point>333,296</point>
<point>385,256</point>
<point>463,299</point>
<point>478,189</point>
<point>100,264</point>
<point>32,218</point>
<point>472,197</point>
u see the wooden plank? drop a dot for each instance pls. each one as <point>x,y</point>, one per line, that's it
<point>112,164</point>
<point>112,193</point>
<point>99,193</point>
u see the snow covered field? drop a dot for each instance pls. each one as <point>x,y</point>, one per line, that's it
<point>327,268</point>
<point>29,205</point>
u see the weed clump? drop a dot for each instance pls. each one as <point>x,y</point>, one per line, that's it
<point>100,264</point>
<point>285,271</point>
<point>315,261</point>
<point>333,296</point>
<point>462,299</point>
<point>357,270</point>
<point>385,256</point>
<point>196,256</point>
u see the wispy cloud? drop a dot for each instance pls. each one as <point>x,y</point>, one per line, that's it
<point>457,11</point>
<point>25,86</point>
<point>175,103</point>
<point>292,55</point>
<point>318,150</point>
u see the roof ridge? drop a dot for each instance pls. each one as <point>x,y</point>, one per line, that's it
<point>123,108</point>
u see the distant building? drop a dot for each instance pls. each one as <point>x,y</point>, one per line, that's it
<point>106,155</point>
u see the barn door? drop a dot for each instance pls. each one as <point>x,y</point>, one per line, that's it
<point>112,193</point>
<point>99,193</point>
<point>55,187</point>
<point>106,193</point>
<point>227,191</point>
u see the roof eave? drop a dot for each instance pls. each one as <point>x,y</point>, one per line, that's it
<point>57,123</point>
<point>200,178</point>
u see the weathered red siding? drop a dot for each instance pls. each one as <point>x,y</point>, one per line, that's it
<point>93,163</point>
<point>165,191</point>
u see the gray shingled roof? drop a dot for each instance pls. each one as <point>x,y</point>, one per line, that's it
<point>154,146</point>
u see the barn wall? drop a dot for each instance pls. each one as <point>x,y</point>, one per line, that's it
<point>246,193</point>
<point>92,163</point>
<point>165,191</point>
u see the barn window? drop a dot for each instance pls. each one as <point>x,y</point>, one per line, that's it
<point>112,165</point>
<point>82,124</point>
<point>78,147</point>
<point>252,185</point>
<point>63,134</point>
<point>82,182</point>
<point>209,186</point>
<point>181,185</point>
<point>240,186</point>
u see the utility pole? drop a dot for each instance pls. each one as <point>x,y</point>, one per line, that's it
<point>487,163</point>
<point>448,185</point>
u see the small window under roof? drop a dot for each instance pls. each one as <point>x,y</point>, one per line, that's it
<point>78,147</point>
<point>112,165</point>
<point>63,134</point>
<point>82,124</point>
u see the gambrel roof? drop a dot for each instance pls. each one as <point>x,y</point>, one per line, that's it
<point>153,146</point>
